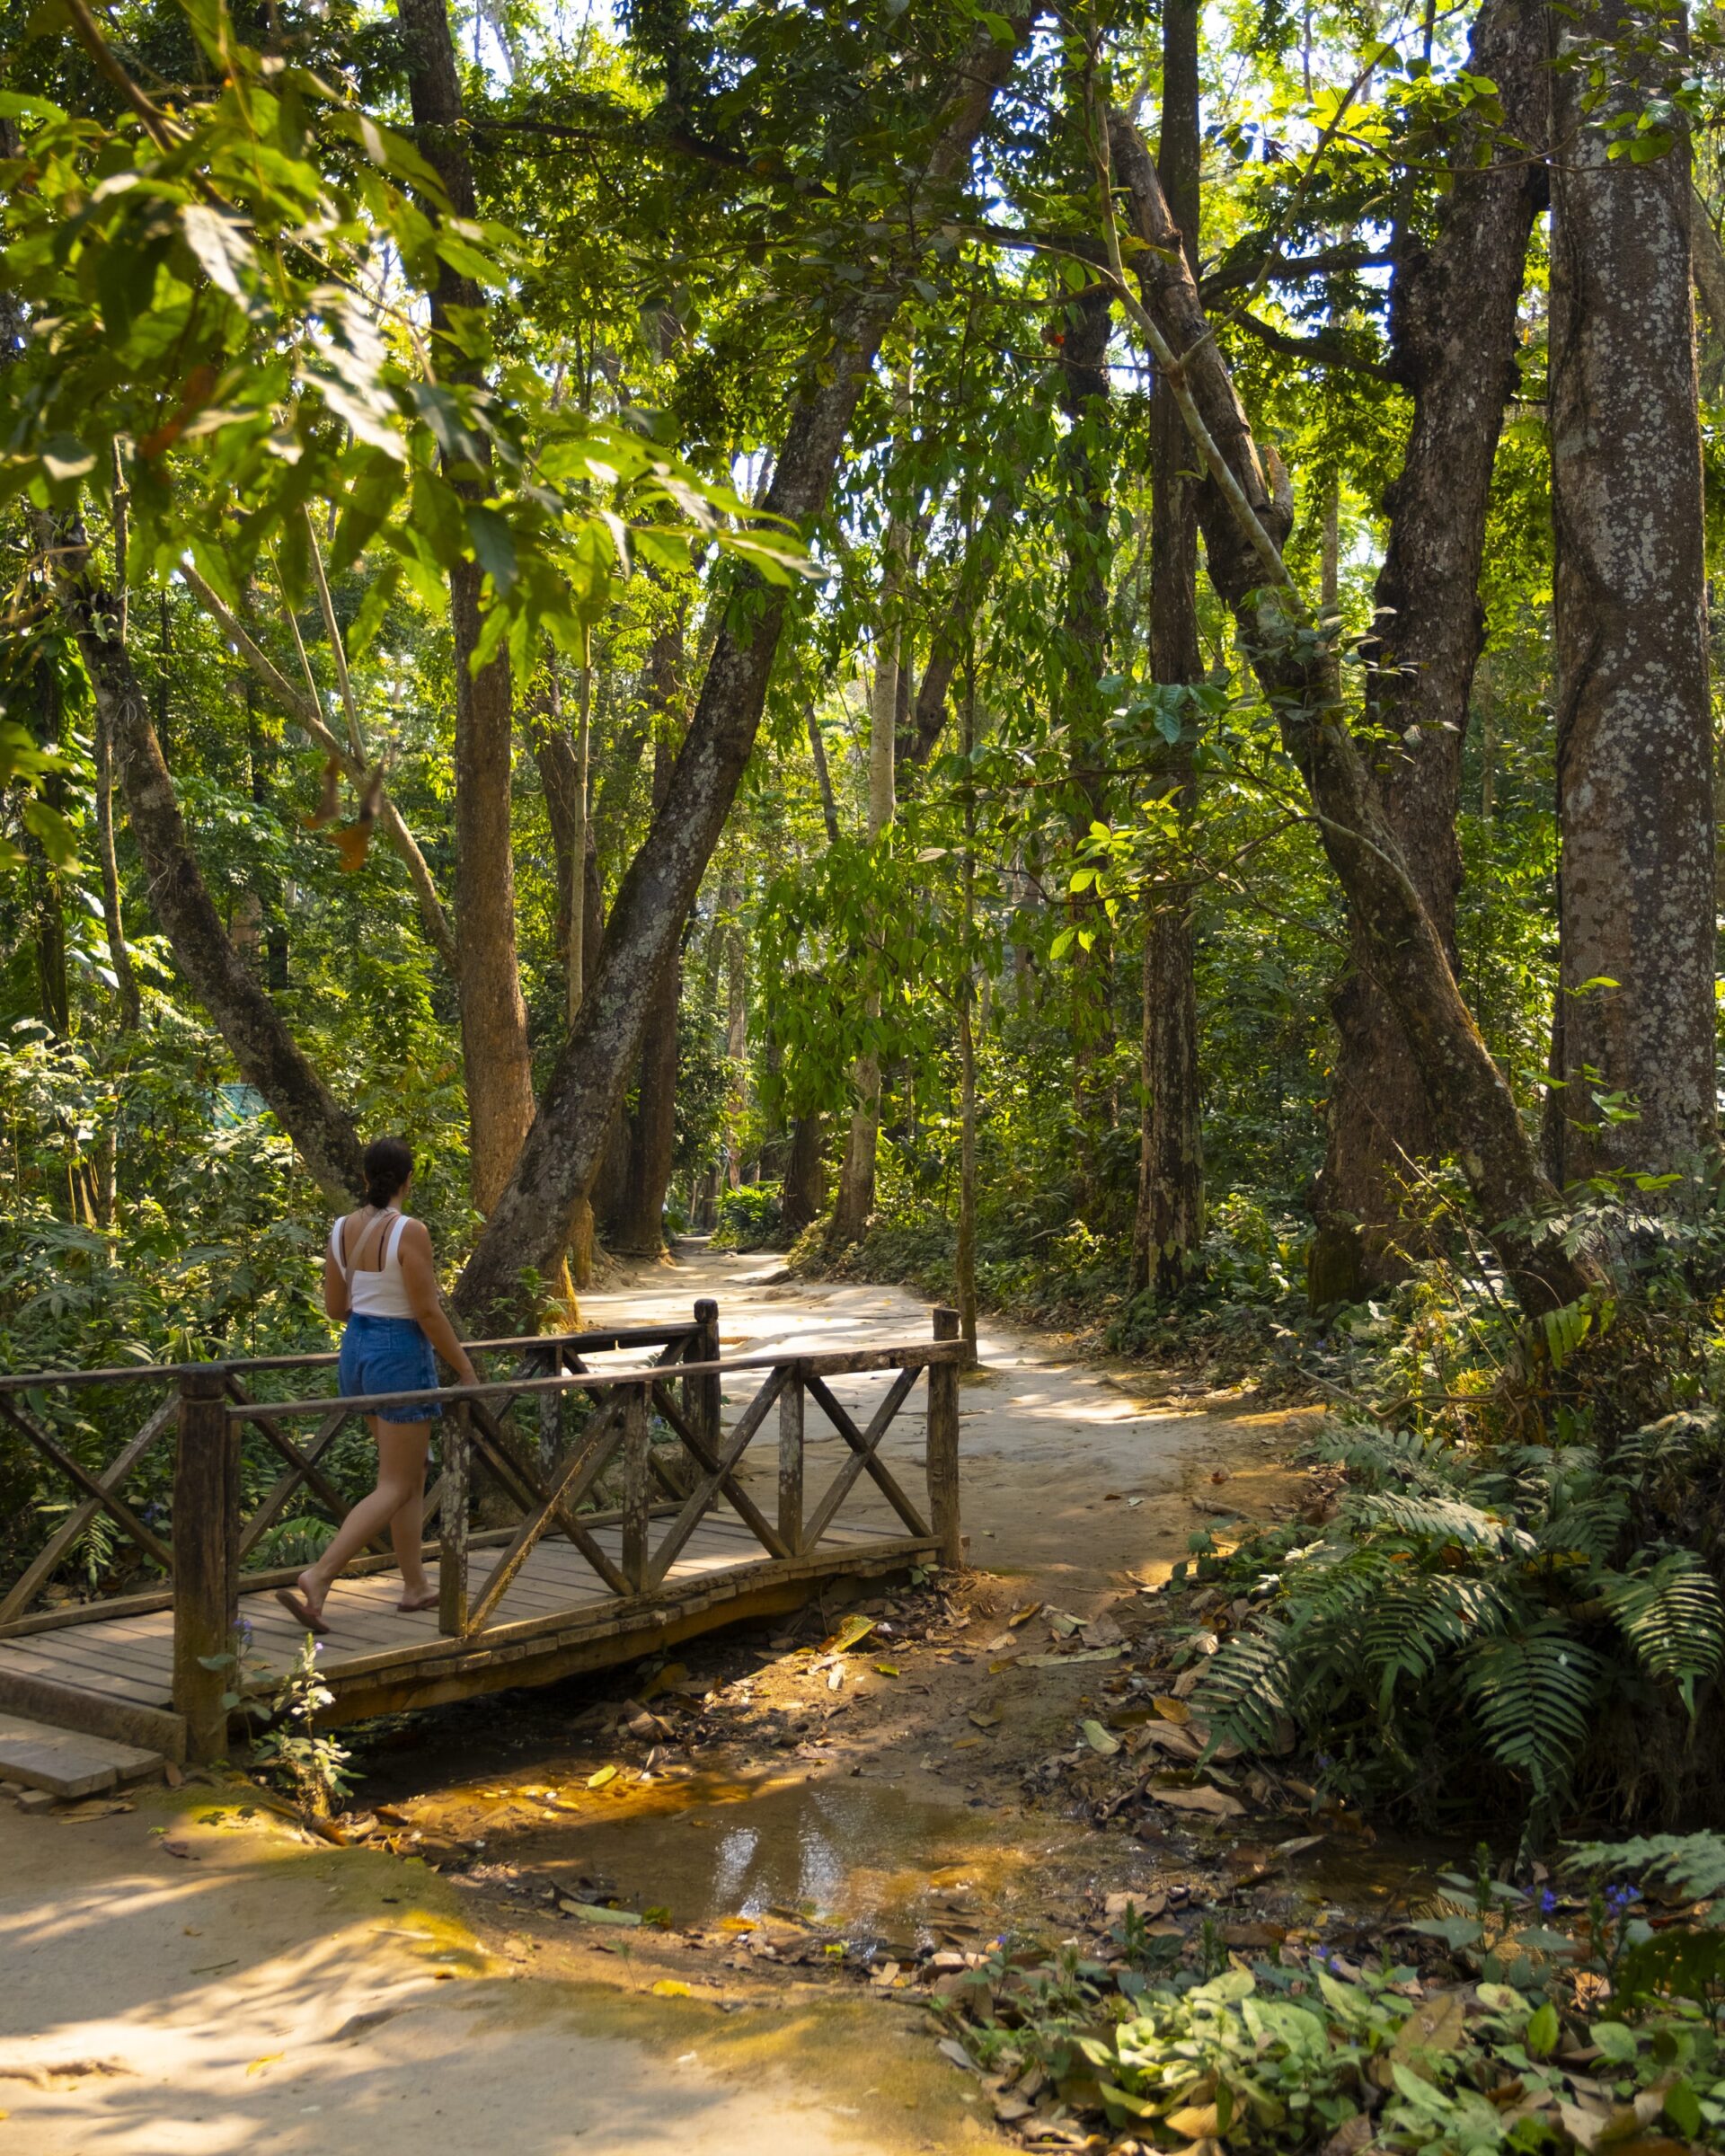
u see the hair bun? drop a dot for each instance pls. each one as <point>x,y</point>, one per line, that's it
<point>388,1163</point>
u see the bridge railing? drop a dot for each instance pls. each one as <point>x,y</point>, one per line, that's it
<point>683,1394</point>
<point>277,1468</point>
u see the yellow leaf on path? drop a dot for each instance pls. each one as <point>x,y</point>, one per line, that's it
<point>1217,1803</point>
<point>667,1987</point>
<point>851,1633</point>
<point>1173,1710</point>
<point>1024,1615</point>
<point>599,1781</point>
<point>985,1721</point>
<point>1098,1738</point>
<point>884,1669</point>
<point>269,2059</point>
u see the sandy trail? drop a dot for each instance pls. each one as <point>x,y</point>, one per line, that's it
<point>195,1976</point>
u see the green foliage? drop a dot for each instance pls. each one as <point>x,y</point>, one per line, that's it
<point>749,1217</point>
<point>293,1753</point>
<point>1462,1608</point>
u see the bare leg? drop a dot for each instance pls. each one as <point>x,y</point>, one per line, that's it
<point>401,1449</point>
<point>407,1534</point>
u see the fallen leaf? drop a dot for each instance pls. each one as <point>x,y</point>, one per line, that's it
<point>599,1781</point>
<point>1131,1502</point>
<point>1063,1624</point>
<point>94,1808</point>
<point>995,1645</point>
<point>884,1669</point>
<point>883,1977</point>
<point>1146,1905</point>
<point>985,1721</point>
<point>1010,2109</point>
<point>667,1987</point>
<point>269,2058</point>
<point>183,1850</point>
<point>1437,2027</point>
<point>1102,1631</point>
<point>667,1680</point>
<point>1084,1654</point>
<point>1216,1803</point>
<point>175,1779</point>
<point>1017,1618</point>
<point>966,1744</point>
<point>950,2049</point>
<point>1098,1738</point>
<point>1173,1710</point>
<point>835,1680</point>
<point>851,1633</point>
<point>595,1912</point>
<point>1197,2122</point>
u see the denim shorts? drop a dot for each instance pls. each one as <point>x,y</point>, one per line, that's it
<point>388,1354</point>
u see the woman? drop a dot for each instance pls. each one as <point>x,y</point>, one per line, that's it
<point>378,1275</point>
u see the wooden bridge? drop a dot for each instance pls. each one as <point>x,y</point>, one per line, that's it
<point>538,1576</point>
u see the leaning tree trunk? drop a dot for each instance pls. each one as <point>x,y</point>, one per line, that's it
<point>1634,764</point>
<point>557,1162</point>
<point>1453,339</point>
<point>1244,528</point>
<point>495,1054</point>
<point>1169,1218</point>
<point>259,1042</point>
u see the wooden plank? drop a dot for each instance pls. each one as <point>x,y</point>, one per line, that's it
<point>878,1423</point>
<point>69,1763</point>
<point>840,1362</point>
<point>875,1467</point>
<point>488,1440</point>
<point>75,1471</point>
<point>637,1489</point>
<point>144,1660</point>
<point>40,1570</point>
<point>707,1456</point>
<point>90,1677</point>
<point>583,1468</point>
<point>790,1457</point>
<point>71,1706</point>
<point>452,1527</point>
<point>741,1432</point>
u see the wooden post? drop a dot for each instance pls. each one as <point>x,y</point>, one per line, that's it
<point>452,1525</point>
<point>790,1463</point>
<point>943,1444</point>
<point>206,1558</point>
<point>710,1417</point>
<point>637,1489</point>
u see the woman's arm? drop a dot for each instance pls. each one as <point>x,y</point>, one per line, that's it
<point>335,1290</point>
<point>420,1280</point>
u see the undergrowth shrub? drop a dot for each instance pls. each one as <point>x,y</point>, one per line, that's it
<point>1523,1626</point>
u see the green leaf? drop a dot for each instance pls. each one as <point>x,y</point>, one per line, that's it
<point>1543,2031</point>
<point>493,544</point>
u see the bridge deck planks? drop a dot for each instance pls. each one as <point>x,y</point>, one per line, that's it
<point>130,1659</point>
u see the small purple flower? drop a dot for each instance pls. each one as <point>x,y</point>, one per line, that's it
<point>1547,1900</point>
<point>1619,1898</point>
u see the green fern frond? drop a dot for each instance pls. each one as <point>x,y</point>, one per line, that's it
<point>1420,1619</point>
<point>1534,1697</point>
<point>1437,1520</point>
<point>1399,1459</point>
<point>1591,1527</point>
<point>1695,1864</point>
<point>1244,1688</point>
<point>1669,1613</point>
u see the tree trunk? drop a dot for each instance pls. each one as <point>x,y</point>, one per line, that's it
<point>248,1021</point>
<point>1084,398</point>
<point>119,957</point>
<point>951,636</point>
<point>1453,339</point>
<point>638,1228</point>
<point>494,1048</point>
<point>1473,1106</point>
<point>1635,806</point>
<point>805,1181</point>
<point>561,1151</point>
<point>1170,1218</point>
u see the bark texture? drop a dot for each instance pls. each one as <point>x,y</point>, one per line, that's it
<point>1634,767</point>
<point>495,1054</point>
<point>1453,308</point>
<point>561,1151</point>
<point>1475,1110</point>
<point>1169,1218</point>
<point>229,989</point>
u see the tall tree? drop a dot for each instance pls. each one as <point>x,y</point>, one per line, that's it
<point>1244,527</point>
<point>558,1162</point>
<point>1169,1218</point>
<point>1635,1025</point>
<point>1453,346</point>
<point>495,1054</point>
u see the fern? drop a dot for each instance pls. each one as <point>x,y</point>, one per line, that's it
<point>1245,1689</point>
<point>1669,1613</point>
<point>1695,1864</point>
<point>1534,1697</point>
<point>1438,1519</point>
<point>1417,1621</point>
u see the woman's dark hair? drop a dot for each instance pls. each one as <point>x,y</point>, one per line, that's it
<point>388,1163</point>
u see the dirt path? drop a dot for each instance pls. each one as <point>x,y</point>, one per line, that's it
<point>196,1975</point>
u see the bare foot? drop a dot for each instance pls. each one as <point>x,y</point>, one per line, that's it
<point>426,1598</point>
<point>305,1605</point>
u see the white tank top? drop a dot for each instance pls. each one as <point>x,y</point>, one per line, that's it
<point>382,1294</point>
